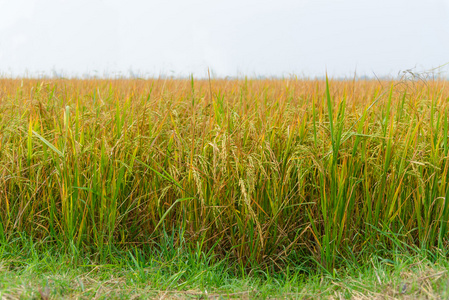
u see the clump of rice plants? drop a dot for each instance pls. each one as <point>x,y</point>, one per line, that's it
<point>255,169</point>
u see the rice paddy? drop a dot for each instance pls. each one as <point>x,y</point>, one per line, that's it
<point>263,172</point>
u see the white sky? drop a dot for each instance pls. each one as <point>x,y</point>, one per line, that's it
<point>232,37</point>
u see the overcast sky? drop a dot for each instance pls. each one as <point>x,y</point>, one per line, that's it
<point>232,37</point>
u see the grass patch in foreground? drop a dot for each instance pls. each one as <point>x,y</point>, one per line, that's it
<point>34,271</point>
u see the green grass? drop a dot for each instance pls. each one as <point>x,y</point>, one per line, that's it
<point>34,271</point>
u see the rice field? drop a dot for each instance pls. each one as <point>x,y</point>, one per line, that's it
<point>261,171</point>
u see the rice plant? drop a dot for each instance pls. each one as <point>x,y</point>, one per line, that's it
<point>254,169</point>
